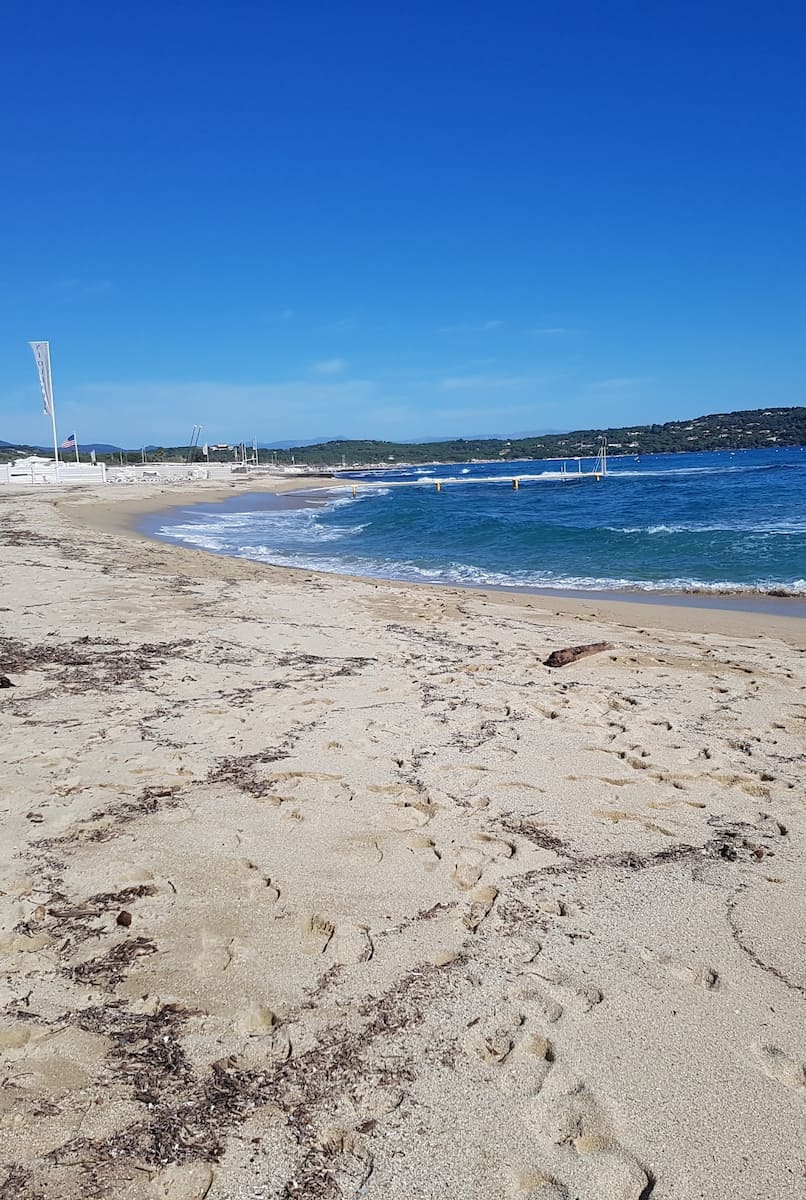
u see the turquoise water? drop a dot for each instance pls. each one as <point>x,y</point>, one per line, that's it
<point>709,521</point>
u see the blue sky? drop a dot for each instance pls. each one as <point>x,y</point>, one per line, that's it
<point>435,218</point>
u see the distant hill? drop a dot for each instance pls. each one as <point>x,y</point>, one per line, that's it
<point>748,429</point>
<point>11,450</point>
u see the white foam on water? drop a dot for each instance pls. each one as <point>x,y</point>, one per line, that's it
<point>539,477</point>
<point>765,529</point>
<point>614,470</point>
<point>264,535</point>
<point>224,531</point>
<point>455,573</point>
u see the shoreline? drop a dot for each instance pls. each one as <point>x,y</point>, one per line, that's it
<point>771,603</point>
<point>668,610</point>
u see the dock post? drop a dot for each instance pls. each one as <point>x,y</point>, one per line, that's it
<point>355,491</point>
<point>516,483</point>
<point>438,485</point>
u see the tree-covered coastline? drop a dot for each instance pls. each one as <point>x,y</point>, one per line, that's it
<point>760,428</point>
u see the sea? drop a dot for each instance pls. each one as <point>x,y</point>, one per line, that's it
<point>723,522</point>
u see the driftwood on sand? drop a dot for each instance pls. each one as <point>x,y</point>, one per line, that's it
<point>562,658</point>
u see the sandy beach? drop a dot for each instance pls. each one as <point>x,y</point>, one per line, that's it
<point>320,887</point>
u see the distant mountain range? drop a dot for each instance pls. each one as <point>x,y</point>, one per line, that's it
<point>98,447</point>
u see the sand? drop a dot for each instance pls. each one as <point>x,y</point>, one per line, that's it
<point>321,887</point>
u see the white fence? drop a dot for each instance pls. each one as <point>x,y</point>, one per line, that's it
<point>165,472</point>
<point>188,472</point>
<point>38,472</point>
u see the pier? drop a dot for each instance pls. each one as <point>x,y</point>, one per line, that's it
<point>596,474</point>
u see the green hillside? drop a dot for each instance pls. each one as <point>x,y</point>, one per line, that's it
<point>752,429</point>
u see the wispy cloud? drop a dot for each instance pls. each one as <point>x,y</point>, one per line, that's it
<point>329,366</point>
<point>472,327</point>
<point>552,331</point>
<point>470,421</point>
<point>162,412</point>
<point>620,383</point>
<point>484,382</point>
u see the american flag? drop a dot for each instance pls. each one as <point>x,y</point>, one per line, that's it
<point>69,443</point>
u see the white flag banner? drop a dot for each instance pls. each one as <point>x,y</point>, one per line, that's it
<point>42,356</point>
<point>205,450</point>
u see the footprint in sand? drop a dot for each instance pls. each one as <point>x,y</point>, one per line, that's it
<point>542,1004</point>
<point>255,1019</point>
<point>494,1040</point>
<point>52,1064</point>
<point>469,864</point>
<point>566,1113</point>
<point>372,1099</point>
<point>365,851</point>
<point>778,1066</point>
<point>528,1065</point>
<point>616,815</point>
<point>344,942</point>
<point>531,1183</point>
<point>267,1039</point>
<point>523,950</point>
<point>410,816</point>
<point>470,861</point>
<point>424,849</point>
<point>351,944</point>
<point>478,906</point>
<point>349,1161</point>
<point>494,847</point>
<point>213,952</point>
<point>695,974</point>
<point>252,881</point>
<point>582,994</point>
<point>701,976</point>
<point>316,934</point>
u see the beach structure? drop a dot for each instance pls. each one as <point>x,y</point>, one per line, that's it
<point>34,468</point>
<point>37,469</point>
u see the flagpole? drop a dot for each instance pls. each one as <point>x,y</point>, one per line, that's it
<point>75,443</point>
<point>53,416</point>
